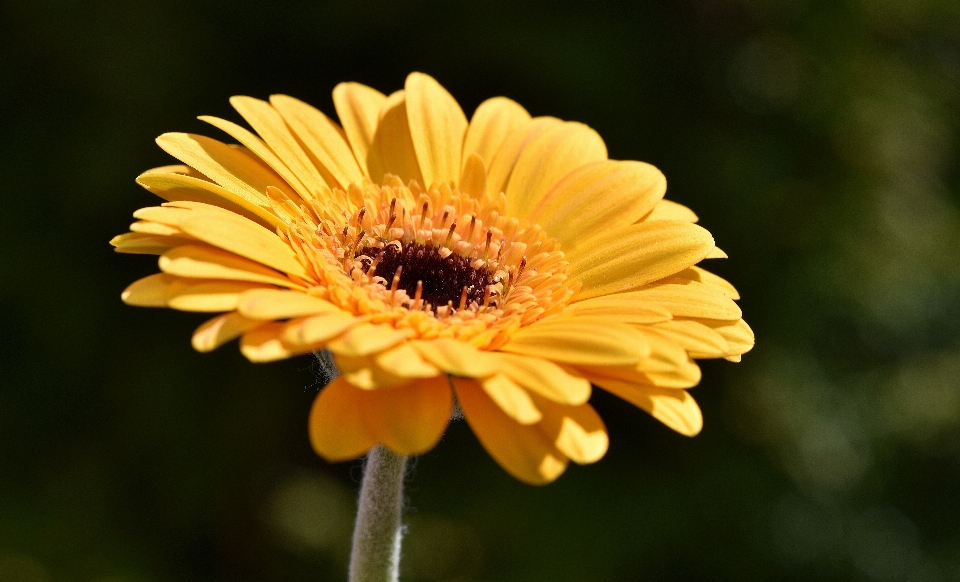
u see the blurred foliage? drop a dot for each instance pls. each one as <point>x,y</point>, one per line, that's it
<point>816,140</point>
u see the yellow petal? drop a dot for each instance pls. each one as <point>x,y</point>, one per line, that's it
<point>392,149</point>
<point>492,122</point>
<point>437,126</point>
<point>358,108</point>
<point>404,361</point>
<point>547,158</point>
<point>322,138</point>
<point>699,340</point>
<point>570,211</point>
<point>261,150</point>
<point>264,344</point>
<point>163,215</point>
<point>364,373</point>
<point>248,239</point>
<point>670,210</point>
<point>227,166</point>
<point>580,340</point>
<point>151,291</point>
<point>411,419</point>
<point>207,296</point>
<point>176,187</point>
<point>277,304</point>
<point>674,408</point>
<point>206,262</point>
<point>146,244</point>
<point>315,330</point>
<point>337,430</point>
<point>217,331</point>
<point>546,379</point>
<point>473,181</point>
<point>687,298</point>
<point>667,366</point>
<point>738,334</point>
<point>708,278</point>
<point>267,122</point>
<point>366,339</point>
<point>631,256</point>
<point>523,451</point>
<point>622,307</point>
<point>716,253</point>
<point>511,398</point>
<point>457,358</point>
<point>155,228</point>
<point>506,155</point>
<point>576,431</point>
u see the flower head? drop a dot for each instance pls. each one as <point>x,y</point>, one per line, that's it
<point>504,260</point>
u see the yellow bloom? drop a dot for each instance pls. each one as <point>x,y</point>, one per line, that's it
<point>505,260</point>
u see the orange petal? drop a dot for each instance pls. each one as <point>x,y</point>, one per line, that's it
<point>492,122</point>
<point>437,126</point>
<point>570,212</point>
<point>523,451</point>
<point>337,430</point>
<point>628,257</point>
<point>358,108</point>
<point>217,331</point>
<point>264,344</point>
<point>547,158</point>
<point>409,420</point>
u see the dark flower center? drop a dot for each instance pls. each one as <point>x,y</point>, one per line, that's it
<point>443,279</point>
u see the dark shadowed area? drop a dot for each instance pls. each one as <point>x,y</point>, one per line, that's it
<point>819,141</point>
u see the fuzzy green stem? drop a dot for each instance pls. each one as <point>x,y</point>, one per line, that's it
<point>375,556</point>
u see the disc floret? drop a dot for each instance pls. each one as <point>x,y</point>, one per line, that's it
<point>440,262</point>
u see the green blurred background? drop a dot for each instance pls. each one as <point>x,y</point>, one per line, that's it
<point>817,141</point>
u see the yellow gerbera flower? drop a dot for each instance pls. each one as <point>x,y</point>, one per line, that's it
<point>503,259</point>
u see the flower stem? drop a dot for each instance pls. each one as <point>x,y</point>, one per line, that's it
<point>375,556</point>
